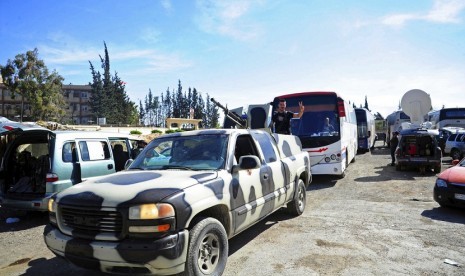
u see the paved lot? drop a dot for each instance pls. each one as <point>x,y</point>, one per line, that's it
<point>375,221</point>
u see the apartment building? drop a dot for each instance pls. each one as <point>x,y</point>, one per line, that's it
<point>76,97</point>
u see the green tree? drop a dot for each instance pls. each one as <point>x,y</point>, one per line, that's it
<point>211,116</point>
<point>141,112</point>
<point>109,98</point>
<point>29,77</point>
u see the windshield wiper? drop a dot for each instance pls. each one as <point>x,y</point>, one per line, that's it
<point>136,168</point>
<point>167,167</point>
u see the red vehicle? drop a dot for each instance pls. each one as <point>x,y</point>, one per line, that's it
<point>449,189</point>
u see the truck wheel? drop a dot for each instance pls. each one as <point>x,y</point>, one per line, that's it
<point>297,206</point>
<point>437,169</point>
<point>208,248</point>
<point>455,154</point>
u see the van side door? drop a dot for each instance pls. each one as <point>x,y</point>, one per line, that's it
<point>121,150</point>
<point>94,157</point>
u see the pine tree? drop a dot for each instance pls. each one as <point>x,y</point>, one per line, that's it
<point>109,98</point>
<point>366,104</point>
<point>141,113</point>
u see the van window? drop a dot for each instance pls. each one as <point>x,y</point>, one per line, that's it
<point>452,137</point>
<point>69,152</point>
<point>94,150</point>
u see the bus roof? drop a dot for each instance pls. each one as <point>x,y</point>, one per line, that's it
<point>300,94</point>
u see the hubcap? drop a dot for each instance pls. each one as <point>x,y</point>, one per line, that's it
<point>209,252</point>
<point>301,198</point>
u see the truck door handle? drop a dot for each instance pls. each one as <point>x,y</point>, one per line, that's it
<point>110,166</point>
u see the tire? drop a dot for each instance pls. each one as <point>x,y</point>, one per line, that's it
<point>437,169</point>
<point>208,248</point>
<point>297,206</point>
<point>455,154</point>
<point>398,168</point>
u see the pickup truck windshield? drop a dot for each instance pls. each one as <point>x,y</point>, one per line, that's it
<point>199,152</point>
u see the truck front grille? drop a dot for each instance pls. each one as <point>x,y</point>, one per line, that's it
<point>91,222</point>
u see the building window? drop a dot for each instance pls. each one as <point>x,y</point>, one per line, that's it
<point>76,94</point>
<point>84,108</point>
<point>84,95</point>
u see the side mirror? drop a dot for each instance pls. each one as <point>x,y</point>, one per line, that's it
<point>128,163</point>
<point>247,162</point>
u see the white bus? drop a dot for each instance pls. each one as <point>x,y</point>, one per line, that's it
<point>448,117</point>
<point>330,151</point>
<point>365,129</point>
<point>394,123</point>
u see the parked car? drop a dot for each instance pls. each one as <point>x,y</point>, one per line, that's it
<point>444,134</point>
<point>418,148</point>
<point>168,215</point>
<point>449,189</point>
<point>37,162</point>
<point>455,145</point>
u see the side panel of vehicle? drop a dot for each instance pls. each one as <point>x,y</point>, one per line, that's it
<point>253,191</point>
<point>94,157</point>
<point>38,163</point>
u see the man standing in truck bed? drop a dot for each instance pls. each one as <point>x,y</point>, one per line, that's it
<point>282,118</point>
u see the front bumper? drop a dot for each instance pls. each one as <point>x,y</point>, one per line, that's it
<point>164,256</point>
<point>447,195</point>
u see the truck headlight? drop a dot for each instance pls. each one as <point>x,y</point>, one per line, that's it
<point>151,211</point>
<point>52,211</point>
<point>441,183</point>
<point>52,206</point>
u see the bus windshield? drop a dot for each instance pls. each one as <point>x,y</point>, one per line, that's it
<point>320,117</point>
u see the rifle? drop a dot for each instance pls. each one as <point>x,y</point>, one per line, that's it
<point>231,115</point>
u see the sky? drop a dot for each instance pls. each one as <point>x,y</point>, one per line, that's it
<point>248,52</point>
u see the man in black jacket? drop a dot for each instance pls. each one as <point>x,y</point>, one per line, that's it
<point>394,142</point>
<point>282,118</point>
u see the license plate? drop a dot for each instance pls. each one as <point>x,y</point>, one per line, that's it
<point>460,196</point>
<point>416,159</point>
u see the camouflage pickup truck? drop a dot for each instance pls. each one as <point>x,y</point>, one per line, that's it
<point>177,204</point>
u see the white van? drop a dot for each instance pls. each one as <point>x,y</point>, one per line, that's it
<point>36,162</point>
